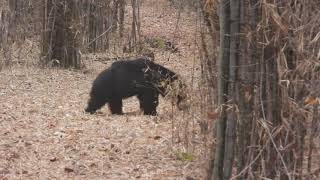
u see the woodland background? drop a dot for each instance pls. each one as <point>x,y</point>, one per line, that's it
<point>252,69</point>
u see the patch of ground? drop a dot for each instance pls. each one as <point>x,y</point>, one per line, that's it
<point>45,134</point>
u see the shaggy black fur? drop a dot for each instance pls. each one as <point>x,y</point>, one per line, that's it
<point>140,77</point>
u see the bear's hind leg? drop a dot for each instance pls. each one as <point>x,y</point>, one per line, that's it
<point>115,106</point>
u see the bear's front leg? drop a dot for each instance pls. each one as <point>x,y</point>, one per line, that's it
<point>115,106</point>
<point>149,101</point>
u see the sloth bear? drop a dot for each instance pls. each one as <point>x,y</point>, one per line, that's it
<point>140,77</point>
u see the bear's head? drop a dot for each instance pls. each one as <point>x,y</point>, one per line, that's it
<point>176,91</point>
<point>168,84</point>
<point>95,101</point>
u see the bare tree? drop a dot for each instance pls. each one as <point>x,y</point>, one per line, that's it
<point>4,32</point>
<point>61,37</point>
<point>134,38</point>
<point>223,76</point>
<point>233,88</point>
<point>97,15</point>
<point>248,66</point>
<point>258,49</point>
<point>121,6</point>
<point>104,19</point>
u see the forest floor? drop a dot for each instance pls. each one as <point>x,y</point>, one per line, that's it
<point>45,134</point>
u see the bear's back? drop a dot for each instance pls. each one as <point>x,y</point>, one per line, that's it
<point>139,63</point>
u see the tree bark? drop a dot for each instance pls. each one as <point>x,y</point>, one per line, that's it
<point>248,67</point>
<point>135,28</point>
<point>61,37</point>
<point>5,22</point>
<point>122,6</point>
<point>232,88</point>
<point>96,20</point>
<point>273,108</point>
<point>223,76</point>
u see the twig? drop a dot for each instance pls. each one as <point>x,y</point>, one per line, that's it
<point>110,27</point>
<point>271,138</point>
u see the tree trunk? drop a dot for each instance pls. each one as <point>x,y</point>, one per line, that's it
<point>233,88</point>
<point>4,26</point>
<point>248,67</point>
<point>122,6</point>
<point>5,21</point>
<point>135,28</point>
<point>115,14</point>
<point>61,39</point>
<point>223,76</point>
<point>273,108</point>
<point>96,20</point>
<point>17,25</point>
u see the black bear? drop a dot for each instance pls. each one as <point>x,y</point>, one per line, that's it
<point>140,77</point>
